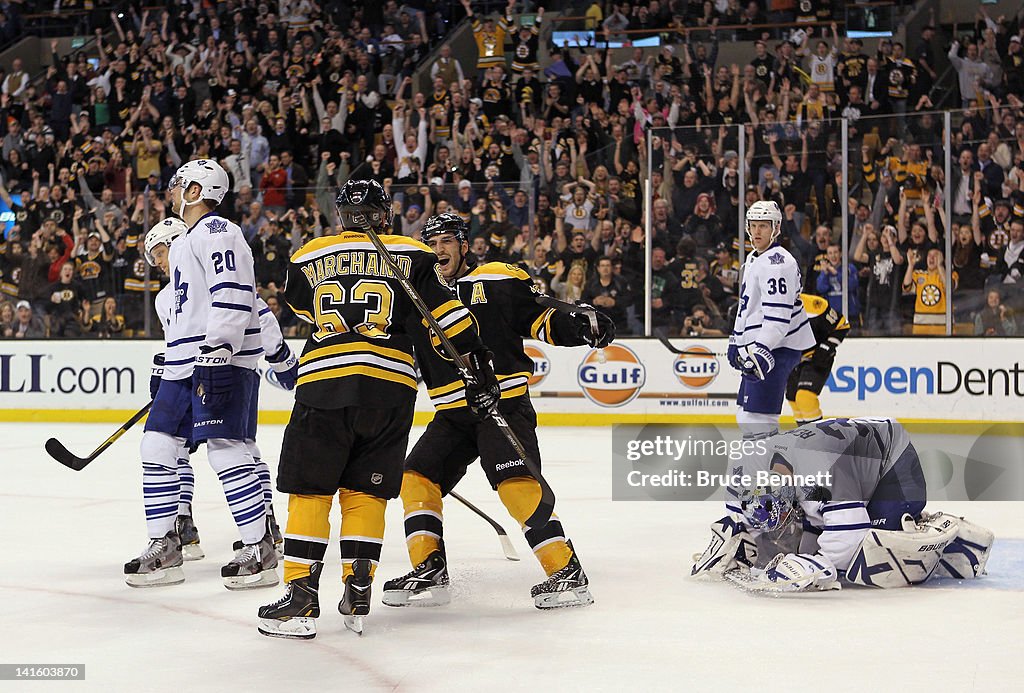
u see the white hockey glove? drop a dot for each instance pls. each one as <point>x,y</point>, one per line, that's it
<point>731,547</point>
<point>800,572</point>
<point>756,361</point>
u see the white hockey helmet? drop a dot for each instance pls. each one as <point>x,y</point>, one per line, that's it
<point>205,172</point>
<point>163,232</point>
<point>765,210</point>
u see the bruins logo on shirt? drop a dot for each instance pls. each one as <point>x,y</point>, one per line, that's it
<point>896,77</point>
<point>820,68</point>
<point>90,269</point>
<point>21,215</point>
<point>998,238</point>
<point>492,95</point>
<point>522,51</point>
<point>57,215</point>
<point>66,295</point>
<point>270,256</point>
<point>930,294</point>
<point>806,5</point>
<point>761,70</point>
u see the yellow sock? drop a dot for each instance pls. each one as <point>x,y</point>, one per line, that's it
<point>797,412</point>
<point>810,407</point>
<point>521,496</point>
<point>362,529</point>
<point>421,499</point>
<point>308,517</point>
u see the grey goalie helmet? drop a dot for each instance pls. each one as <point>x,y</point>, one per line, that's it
<point>768,508</point>
<point>364,204</point>
<point>163,232</point>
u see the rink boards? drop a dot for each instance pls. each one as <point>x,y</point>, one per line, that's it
<point>918,380</point>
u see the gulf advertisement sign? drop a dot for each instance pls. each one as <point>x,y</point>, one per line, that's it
<point>611,377</point>
<point>541,364</point>
<point>696,369</point>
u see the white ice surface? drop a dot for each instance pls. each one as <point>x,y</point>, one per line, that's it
<point>67,534</point>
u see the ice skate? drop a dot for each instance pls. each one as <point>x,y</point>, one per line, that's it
<point>189,535</point>
<point>254,566</point>
<point>564,588</point>
<point>275,534</point>
<point>425,585</point>
<point>159,564</point>
<point>355,604</point>
<point>294,615</point>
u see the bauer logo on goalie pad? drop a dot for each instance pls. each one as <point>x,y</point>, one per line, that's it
<point>897,559</point>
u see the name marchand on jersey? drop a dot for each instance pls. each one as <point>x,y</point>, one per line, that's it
<point>342,286</point>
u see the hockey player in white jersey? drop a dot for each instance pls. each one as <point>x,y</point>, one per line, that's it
<point>771,329</point>
<point>857,489</point>
<point>212,351</point>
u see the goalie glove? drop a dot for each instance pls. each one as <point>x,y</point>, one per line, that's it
<point>800,572</point>
<point>285,366</point>
<point>731,547</point>
<point>756,361</point>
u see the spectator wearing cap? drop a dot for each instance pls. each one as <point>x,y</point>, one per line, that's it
<point>26,325</point>
<point>490,37</point>
<point>93,255</point>
<point>1013,65</point>
<point>66,309</point>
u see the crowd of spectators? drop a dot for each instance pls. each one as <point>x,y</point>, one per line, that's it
<point>541,145</point>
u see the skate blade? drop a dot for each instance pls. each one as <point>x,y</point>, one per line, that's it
<point>297,628</point>
<point>354,624</point>
<point>266,578</point>
<point>158,578</point>
<point>192,552</point>
<point>435,596</point>
<point>579,596</point>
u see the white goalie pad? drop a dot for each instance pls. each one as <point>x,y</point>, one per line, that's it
<point>966,556</point>
<point>897,559</point>
<point>731,547</point>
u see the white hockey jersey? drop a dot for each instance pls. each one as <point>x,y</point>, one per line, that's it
<point>270,330</point>
<point>856,454</point>
<point>771,312</point>
<point>214,300</point>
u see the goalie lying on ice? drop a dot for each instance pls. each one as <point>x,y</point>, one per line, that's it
<point>865,523</point>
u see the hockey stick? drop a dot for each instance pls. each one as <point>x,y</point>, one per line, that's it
<point>57,451</point>
<point>546,506</point>
<point>506,543</point>
<point>659,332</point>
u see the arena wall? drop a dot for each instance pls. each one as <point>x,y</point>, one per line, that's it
<point>924,381</point>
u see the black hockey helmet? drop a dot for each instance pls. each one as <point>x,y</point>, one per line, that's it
<point>364,204</point>
<point>448,222</point>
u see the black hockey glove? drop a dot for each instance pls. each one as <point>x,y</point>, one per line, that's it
<point>482,388</point>
<point>605,331</point>
<point>823,356</point>
<point>156,374</point>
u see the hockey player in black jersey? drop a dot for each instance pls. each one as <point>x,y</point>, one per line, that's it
<point>808,378</point>
<point>501,298</point>
<point>354,400</point>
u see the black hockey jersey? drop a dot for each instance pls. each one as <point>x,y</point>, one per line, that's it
<point>827,324</point>
<point>502,300</point>
<point>361,350</point>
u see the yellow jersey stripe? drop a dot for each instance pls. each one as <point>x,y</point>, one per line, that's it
<point>496,270</point>
<point>459,327</point>
<point>350,347</point>
<point>346,371</point>
<point>445,308</point>
<point>326,245</point>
